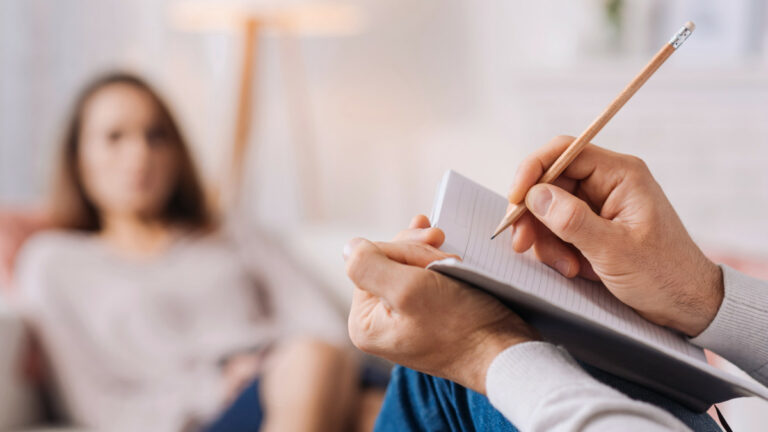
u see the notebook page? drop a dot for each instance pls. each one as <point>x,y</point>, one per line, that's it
<point>469,213</point>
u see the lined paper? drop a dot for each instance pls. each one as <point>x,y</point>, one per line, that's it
<point>468,213</point>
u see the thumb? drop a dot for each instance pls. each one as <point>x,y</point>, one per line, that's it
<point>567,217</point>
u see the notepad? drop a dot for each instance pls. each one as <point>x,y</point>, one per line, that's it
<point>581,315</point>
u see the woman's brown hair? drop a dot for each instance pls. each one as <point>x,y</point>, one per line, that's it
<point>71,208</point>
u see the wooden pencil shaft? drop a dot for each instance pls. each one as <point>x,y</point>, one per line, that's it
<point>573,149</point>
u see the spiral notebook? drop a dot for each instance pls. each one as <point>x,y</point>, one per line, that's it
<point>581,315</point>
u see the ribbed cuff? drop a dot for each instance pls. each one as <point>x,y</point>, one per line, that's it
<point>521,376</point>
<point>739,331</point>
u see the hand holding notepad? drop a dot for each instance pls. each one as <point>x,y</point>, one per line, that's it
<point>579,314</point>
<point>419,319</point>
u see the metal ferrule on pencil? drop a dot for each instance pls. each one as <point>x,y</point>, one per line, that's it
<point>681,35</point>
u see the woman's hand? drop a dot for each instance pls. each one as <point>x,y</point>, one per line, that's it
<point>606,218</point>
<point>238,372</point>
<point>421,319</point>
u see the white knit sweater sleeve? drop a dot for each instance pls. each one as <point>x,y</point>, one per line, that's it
<point>739,331</point>
<point>539,387</point>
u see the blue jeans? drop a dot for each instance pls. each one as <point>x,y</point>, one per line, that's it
<point>420,402</point>
<point>244,415</point>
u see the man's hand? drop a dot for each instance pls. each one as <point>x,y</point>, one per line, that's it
<point>421,319</point>
<point>606,218</point>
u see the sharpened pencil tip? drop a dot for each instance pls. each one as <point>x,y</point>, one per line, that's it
<point>500,229</point>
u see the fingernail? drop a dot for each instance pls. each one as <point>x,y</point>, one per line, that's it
<point>563,266</point>
<point>455,257</point>
<point>539,198</point>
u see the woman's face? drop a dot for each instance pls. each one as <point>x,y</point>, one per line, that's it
<point>128,163</point>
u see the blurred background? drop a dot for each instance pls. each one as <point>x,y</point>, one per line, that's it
<point>357,108</point>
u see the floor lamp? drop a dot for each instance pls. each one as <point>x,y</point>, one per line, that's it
<point>290,22</point>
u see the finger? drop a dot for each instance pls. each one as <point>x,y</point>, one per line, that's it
<point>525,233</point>
<point>413,254</point>
<point>568,217</point>
<point>431,236</point>
<point>372,270</point>
<point>531,169</point>
<point>419,221</point>
<point>525,223</point>
<point>553,252</point>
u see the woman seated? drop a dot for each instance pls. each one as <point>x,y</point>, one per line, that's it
<point>145,307</point>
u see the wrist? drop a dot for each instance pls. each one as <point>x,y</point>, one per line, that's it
<point>708,296</point>
<point>487,347</point>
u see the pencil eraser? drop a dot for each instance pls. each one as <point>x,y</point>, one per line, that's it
<point>690,25</point>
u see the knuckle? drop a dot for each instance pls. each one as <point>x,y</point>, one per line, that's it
<point>532,160</point>
<point>637,171</point>
<point>635,164</point>
<point>571,218</point>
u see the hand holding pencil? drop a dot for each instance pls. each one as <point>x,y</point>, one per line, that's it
<point>604,217</point>
<point>607,218</point>
<point>517,208</point>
